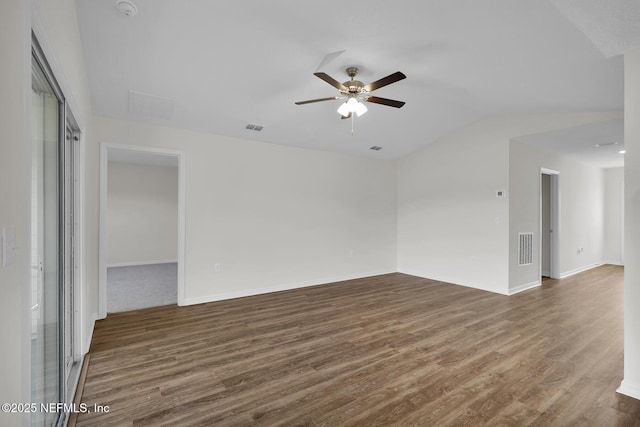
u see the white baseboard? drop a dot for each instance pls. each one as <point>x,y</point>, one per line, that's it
<point>450,281</point>
<point>137,263</point>
<point>521,288</point>
<point>89,335</point>
<point>579,270</point>
<point>277,288</point>
<point>629,389</point>
<point>618,262</point>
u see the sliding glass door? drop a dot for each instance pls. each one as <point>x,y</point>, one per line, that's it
<point>45,246</point>
<point>54,272</point>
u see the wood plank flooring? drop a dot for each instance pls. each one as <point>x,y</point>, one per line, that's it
<point>387,350</point>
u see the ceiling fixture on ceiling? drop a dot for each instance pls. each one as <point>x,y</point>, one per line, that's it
<point>126,7</point>
<point>356,93</point>
<point>606,144</point>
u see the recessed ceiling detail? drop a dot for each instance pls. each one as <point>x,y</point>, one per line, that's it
<point>583,143</point>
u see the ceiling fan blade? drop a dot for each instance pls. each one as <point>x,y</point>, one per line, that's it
<point>385,101</point>
<point>333,82</point>
<point>317,100</point>
<point>391,78</point>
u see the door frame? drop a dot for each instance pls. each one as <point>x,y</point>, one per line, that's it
<point>102,250</point>
<point>554,220</point>
<point>77,187</point>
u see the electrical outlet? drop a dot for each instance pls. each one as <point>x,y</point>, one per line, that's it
<point>216,267</point>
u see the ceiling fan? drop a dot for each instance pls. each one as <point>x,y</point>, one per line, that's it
<point>356,92</point>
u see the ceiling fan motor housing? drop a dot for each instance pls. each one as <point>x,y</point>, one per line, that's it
<point>354,87</point>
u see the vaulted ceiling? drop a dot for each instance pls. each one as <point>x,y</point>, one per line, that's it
<point>216,66</point>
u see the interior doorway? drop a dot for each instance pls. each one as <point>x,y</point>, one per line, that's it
<point>141,228</point>
<point>549,223</point>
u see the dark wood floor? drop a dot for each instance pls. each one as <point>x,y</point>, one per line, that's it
<point>387,350</point>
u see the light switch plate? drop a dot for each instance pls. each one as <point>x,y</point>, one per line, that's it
<point>8,246</point>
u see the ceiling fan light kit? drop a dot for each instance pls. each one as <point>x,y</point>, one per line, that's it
<point>357,92</point>
<point>352,106</point>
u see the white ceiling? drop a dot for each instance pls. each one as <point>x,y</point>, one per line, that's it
<point>215,66</point>
<point>597,143</point>
<point>612,25</point>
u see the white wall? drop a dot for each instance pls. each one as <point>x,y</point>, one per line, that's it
<point>451,225</point>
<point>142,215</point>
<point>613,216</point>
<point>581,209</point>
<point>15,79</point>
<point>273,217</point>
<point>631,383</point>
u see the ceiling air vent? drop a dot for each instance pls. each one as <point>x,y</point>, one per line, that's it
<point>376,148</point>
<point>251,126</point>
<point>525,248</point>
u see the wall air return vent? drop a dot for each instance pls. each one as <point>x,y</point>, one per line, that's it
<point>525,248</point>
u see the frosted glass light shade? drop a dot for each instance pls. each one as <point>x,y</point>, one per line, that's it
<point>344,109</point>
<point>352,103</point>
<point>361,109</point>
<point>352,106</point>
